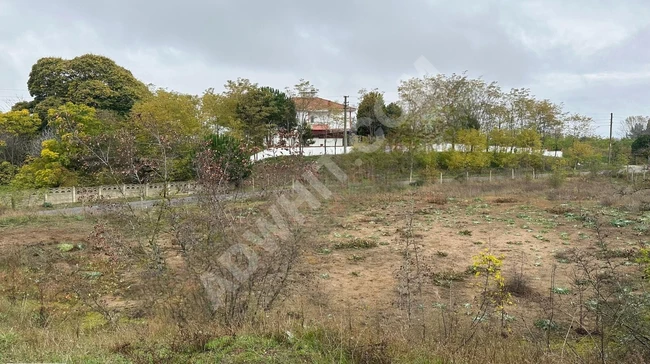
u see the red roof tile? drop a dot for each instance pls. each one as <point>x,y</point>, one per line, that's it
<point>317,104</point>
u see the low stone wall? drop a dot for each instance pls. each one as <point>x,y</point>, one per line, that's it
<point>64,195</point>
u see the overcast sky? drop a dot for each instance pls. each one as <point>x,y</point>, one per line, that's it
<point>593,56</point>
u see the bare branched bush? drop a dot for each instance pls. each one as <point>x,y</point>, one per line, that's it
<point>238,273</point>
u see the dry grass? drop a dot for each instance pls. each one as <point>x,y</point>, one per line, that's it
<point>338,309</point>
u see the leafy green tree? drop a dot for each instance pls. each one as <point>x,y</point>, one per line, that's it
<point>370,114</point>
<point>17,128</point>
<point>394,111</point>
<point>7,172</point>
<point>468,161</point>
<point>282,109</point>
<point>473,139</point>
<point>635,126</point>
<point>249,112</point>
<point>232,158</point>
<point>501,138</point>
<point>582,154</point>
<point>262,112</point>
<point>91,80</point>
<point>528,138</point>
<point>168,130</point>
<point>47,170</point>
<point>641,147</point>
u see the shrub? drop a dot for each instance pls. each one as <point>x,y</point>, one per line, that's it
<point>232,157</point>
<point>356,243</point>
<point>7,172</point>
<point>518,285</point>
<point>557,178</point>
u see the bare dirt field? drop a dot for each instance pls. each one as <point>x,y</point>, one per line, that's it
<point>395,262</point>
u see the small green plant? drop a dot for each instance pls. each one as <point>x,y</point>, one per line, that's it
<point>325,251</point>
<point>65,247</point>
<point>465,233</point>
<point>356,243</point>
<point>546,325</point>
<point>356,258</point>
<point>442,254</point>
<point>48,205</point>
<point>561,291</point>
<point>621,222</point>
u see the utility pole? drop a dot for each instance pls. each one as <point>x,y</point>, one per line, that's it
<point>345,125</point>
<point>611,124</point>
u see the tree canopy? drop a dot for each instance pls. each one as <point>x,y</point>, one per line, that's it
<point>90,80</point>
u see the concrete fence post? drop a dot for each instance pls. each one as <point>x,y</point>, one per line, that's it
<point>440,177</point>
<point>146,190</point>
<point>74,194</point>
<point>490,175</point>
<point>533,173</point>
<point>513,173</point>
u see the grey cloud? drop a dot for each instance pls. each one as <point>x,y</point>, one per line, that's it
<point>343,46</point>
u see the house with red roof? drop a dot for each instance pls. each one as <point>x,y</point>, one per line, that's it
<point>326,119</point>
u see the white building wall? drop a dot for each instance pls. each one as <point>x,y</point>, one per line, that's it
<point>329,142</point>
<point>334,120</point>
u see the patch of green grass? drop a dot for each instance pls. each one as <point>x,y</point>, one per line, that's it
<point>356,243</point>
<point>32,220</point>
<point>465,233</point>
<point>65,247</point>
<point>93,320</point>
<point>621,222</point>
<point>445,279</point>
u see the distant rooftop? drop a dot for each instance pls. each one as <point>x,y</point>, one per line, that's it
<point>318,104</point>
